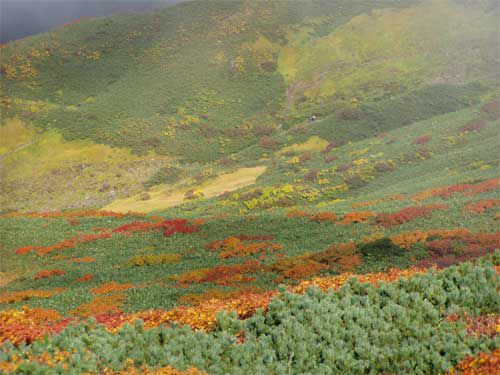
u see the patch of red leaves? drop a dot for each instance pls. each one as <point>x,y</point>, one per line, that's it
<point>422,140</point>
<point>170,227</point>
<point>453,249</point>
<point>407,214</point>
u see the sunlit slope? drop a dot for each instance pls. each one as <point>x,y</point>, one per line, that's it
<point>222,71</point>
<point>202,89</point>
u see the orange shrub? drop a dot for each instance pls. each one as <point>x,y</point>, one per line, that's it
<point>324,216</point>
<point>334,282</point>
<point>482,205</point>
<point>85,278</point>
<point>297,213</point>
<point>407,239</point>
<point>23,295</point>
<point>27,325</point>
<point>48,273</point>
<point>481,364</point>
<point>222,275</point>
<point>216,293</point>
<point>108,304</point>
<point>343,257</point>
<point>234,246</point>
<point>65,244</point>
<point>112,287</point>
<point>83,260</point>
<point>357,217</point>
<point>467,189</point>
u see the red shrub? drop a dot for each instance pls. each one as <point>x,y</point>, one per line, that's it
<point>407,214</point>
<point>329,159</point>
<point>331,146</point>
<point>473,126</point>
<point>268,143</point>
<point>424,139</point>
<point>492,108</point>
<point>170,227</point>
<point>344,167</point>
<point>178,226</point>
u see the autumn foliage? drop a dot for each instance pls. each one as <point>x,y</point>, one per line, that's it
<point>235,246</point>
<point>482,205</point>
<point>482,364</point>
<point>407,214</point>
<point>446,192</point>
<point>48,273</point>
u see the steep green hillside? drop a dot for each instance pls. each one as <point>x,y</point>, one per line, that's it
<point>201,82</point>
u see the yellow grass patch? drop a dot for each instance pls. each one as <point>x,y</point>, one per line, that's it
<point>6,278</point>
<point>314,143</point>
<point>28,154</point>
<point>14,135</point>
<point>160,197</point>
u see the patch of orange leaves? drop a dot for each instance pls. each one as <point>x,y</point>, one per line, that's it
<point>482,205</point>
<point>112,287</point>
<point>83,260</point>
<point>222,275</point>
<point>466,189</point>
<point>324,216</point>
<point>48,273</point>
<point>357,217</point>
<point>85,278</point>
<point>335,282</point>
<point>107,304</point>
<point>407,239</point>
<point>27,325</point>
<point>23,295</point>
<point>65,244</point>
<point>234,246</point>
<point>481,364</point>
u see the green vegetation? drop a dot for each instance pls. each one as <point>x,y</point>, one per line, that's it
<point>397,328</point>
<point>162,165</point>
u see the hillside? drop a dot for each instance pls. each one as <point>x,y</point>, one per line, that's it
<point>158,169</point>
<point>221,77</point>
